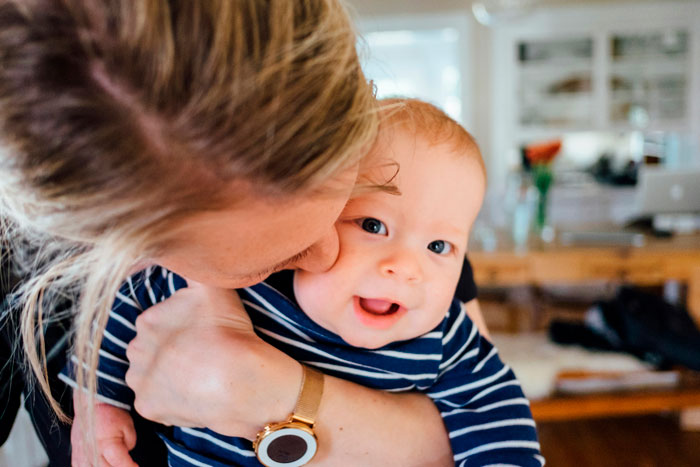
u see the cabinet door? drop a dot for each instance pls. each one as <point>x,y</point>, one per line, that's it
<point>555,82</point>
<point>648,79</point>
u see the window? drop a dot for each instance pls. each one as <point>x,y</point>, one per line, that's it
<point>404,58</point>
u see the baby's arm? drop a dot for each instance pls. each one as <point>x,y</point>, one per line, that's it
<point>114,432</point>
<point>482,405</point>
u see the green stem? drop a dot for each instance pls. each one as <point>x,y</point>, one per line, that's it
<point>541,210</point>
<point>542,178</point>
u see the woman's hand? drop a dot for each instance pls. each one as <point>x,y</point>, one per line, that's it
<point>196,362</point>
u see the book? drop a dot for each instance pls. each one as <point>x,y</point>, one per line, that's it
<point>588,382</point>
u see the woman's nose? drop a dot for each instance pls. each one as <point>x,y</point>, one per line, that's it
<point>322,254</point>
<point>402,265</point>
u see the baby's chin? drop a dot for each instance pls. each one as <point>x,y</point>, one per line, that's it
<point>366,343</point>
<point>373,342</point>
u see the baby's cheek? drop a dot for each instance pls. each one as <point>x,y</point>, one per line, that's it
<point>312,291</point>
<point>442,297</point>
<point>302,288</point>
<point>436,316</point>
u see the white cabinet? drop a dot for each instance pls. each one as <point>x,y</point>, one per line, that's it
<point>649,78</point>
<point>622,67</point>
<point>646,81</point>
<point>554,82</point>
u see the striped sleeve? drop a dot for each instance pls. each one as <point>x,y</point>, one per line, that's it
<point>137,293</point>
<point>482,405</point>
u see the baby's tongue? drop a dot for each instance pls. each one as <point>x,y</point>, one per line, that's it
<point>375,305</point>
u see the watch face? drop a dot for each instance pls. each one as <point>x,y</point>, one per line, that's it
<point>287,447</point>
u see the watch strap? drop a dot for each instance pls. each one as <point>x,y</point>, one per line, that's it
<point>309,398</point>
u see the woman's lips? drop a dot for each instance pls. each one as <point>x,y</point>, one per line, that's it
<point>377,313</point>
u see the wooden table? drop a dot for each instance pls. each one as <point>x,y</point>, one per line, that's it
<point>654,263</point>
<point>557,408</point>
<point>539,263</point>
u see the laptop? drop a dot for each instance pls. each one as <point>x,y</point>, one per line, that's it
<point>668,191</point>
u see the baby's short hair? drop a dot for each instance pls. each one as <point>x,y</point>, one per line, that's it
<point>418,118</point>
<point>425,119</point>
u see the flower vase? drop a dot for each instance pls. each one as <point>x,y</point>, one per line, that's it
<point>542,179</point>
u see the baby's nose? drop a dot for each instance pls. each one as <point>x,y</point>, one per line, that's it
<point>403,265</point>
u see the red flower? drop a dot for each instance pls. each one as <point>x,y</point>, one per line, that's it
<point>542,153</point>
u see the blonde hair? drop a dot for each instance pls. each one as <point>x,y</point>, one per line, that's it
<point>119,118</point>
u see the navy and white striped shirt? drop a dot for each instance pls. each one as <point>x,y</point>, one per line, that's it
<point>486,414</point>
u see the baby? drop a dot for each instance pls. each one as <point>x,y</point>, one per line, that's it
<point>383,316</point>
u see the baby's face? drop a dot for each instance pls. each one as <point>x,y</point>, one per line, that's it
<point>400,255</point>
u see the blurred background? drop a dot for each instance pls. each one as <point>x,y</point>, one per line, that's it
<point>587,250</point>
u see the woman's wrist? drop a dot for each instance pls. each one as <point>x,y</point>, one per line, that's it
<point>279,384</point>
<point>272,386</point>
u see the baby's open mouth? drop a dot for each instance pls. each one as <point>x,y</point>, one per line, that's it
<point>378,313</point>
<point>378,306</point>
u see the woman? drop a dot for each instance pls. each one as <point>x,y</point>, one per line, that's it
<point>221,140</point>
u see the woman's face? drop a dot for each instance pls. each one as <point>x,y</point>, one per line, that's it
<point>243,245</point>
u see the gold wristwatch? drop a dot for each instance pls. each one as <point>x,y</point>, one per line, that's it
<point>292,443</point>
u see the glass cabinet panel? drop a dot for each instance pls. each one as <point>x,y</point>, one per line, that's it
<point>648,77</point>
<point>555,82</point>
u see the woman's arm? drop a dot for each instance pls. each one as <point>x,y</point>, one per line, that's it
<point>197,362</point>
<point>361,426</point>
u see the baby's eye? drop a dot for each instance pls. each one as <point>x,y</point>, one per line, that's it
<point>373,226</point>
<point>441,247</point>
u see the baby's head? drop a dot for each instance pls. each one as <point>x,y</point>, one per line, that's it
<point>401,250</point>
